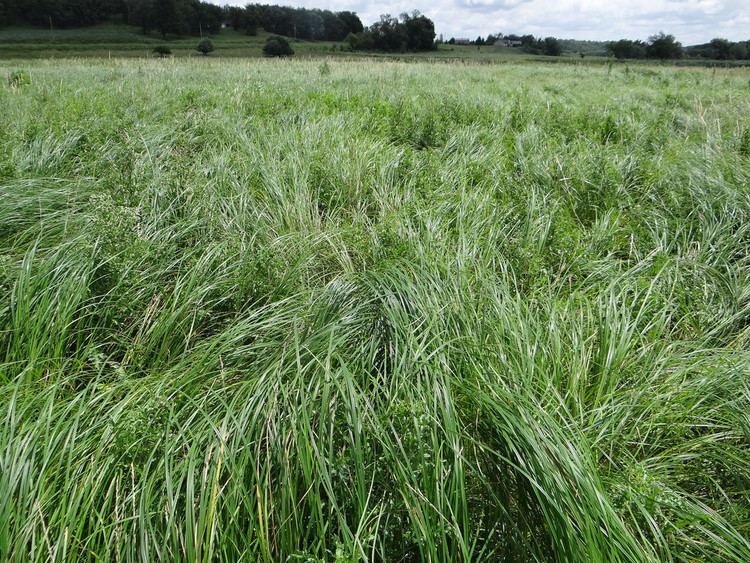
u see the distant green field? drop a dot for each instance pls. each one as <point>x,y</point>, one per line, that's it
<point>362,310</point>
<point>112,40</point>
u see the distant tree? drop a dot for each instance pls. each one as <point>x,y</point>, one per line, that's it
<point>5,16</point>
<point>627,49</point>
<point>251,21</point>
<point>277,46</point>
<point>205,46</point>
<point>530,44</point>
<point>334,28</point>
<point>301,23</point>
<point>721,49</point>
<point>452,41</point>
<point>166,17</point>
<point>360,41</point>
<point>308,24</point>
<point>139,13</point>
<point>352,21</point>
<point>420,32</point>
<point>201,17</point>
<point>388,34</point>
<point>551,47</point>
<point>739,50</point>
<point>663,46</point>
<point>61,13</point>
<point>412,32</point>
<point>234,16</point>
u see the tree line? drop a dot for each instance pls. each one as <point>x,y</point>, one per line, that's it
<point>664,46</point>
<point>659,46</point>
<point>299,23</point>
<point>174,17</point>
<point>184,17</point>
<point>408,32</point>
<point>721,49</point>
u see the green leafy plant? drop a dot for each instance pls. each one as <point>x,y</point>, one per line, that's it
<point>19,78</point>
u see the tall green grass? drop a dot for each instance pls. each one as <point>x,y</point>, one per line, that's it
<point>262,312</point>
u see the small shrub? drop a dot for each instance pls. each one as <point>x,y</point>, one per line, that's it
<point>205,46</point>
<point>277,46</point>
<point>324,69</point>
<point>19,78</point>
<point>162,51</point>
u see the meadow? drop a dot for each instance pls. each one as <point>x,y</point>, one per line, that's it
<point>373,311</point>
<point>109,40</point>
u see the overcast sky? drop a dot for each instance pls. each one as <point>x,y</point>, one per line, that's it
<point>691,21</point>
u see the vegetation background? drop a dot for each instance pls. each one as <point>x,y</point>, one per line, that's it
<point>305,311</point>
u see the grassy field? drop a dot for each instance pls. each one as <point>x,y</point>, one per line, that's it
<point>366,310</point>
<point>123,41</point>
<point>113,40</point>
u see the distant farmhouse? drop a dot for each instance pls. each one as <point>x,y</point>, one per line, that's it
<point>462,41</point>
<point>508,43</point>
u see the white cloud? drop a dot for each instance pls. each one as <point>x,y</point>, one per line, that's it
<point>691,21</point>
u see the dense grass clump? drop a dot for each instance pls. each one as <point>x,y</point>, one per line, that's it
<point>403,312</point>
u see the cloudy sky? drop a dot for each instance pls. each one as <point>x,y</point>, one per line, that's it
<point>691,21</point>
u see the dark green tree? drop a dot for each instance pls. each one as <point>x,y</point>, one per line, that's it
<point>139,13</point>
<point>334,28</point>
<point>551,47</point>
<point>205,46</point>
<point>388,34</point>
<point>167,17</point>
<point>62,13</point>
<point>5,13</point>
<point>352,21</point>
<point>413,32</point>
<point>663,46</point>
<point>721,49</point>
<point>420,32</point>
<point>277,46</point>
<point>202,17</point>
<point>739,50</point>
<point>627,49</point>
<point>234,16</point>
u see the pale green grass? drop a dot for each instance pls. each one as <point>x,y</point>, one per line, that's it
<point>281,311</point>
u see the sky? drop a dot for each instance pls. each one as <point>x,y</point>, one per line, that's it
<point>691,21</point>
